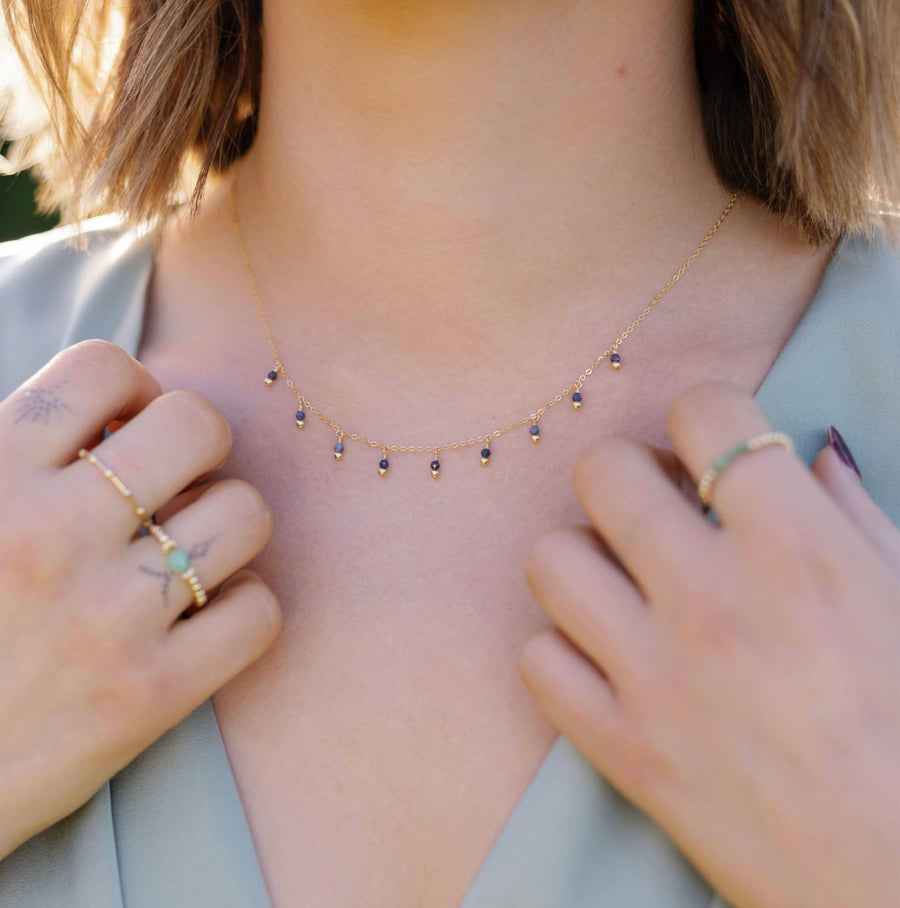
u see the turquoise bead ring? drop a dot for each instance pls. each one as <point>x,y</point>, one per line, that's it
<point>177,559</point>
<point>704,486</point>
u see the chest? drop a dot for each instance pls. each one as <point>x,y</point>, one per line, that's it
<point>382,743</point>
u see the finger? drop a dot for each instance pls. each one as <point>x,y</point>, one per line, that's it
<point>640,513</point>
<point>226,526</point>
<point>768,489</point>
<point>66,404</point>
<point>181,501</point>
<point>592,601</point>
<point>845,487</point>
<point>575,696</point>
<point>678,475</point>
<point>179,437</point>
<point>208,649</point>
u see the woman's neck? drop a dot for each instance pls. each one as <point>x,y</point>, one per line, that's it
<point>460,164</point>
<point>450,196</point>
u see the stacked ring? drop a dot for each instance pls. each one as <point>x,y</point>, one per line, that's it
<point>704,486</point>
<point>177,559</point>
<point>141,512</point>
<point>178,562</point>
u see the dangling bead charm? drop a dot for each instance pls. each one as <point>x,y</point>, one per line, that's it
<point>339,448</point>
<point>616,361</point>
<point>271,376</point>
<point>383,464</point>
<point>435,466</point>
<point>300,417</point>
<point>576,400</point>
<point>535,431</point>
<point>485,455</point>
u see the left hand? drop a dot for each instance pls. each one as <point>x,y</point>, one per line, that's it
<point>738,683</point>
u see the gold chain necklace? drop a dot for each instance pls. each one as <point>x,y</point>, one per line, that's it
<point>573,391</point>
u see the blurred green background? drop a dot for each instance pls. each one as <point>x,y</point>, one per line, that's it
<point>17,217</point>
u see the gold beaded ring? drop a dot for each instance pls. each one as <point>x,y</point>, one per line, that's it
<point>704,486</point>
<point>141,512</point>
<point>177,559</point>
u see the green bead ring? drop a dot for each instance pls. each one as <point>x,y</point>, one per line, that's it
<point>178,561</point>
<point>704,486</point>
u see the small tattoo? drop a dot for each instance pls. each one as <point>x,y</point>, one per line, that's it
<point>198,551</point>
<point>40,404</point>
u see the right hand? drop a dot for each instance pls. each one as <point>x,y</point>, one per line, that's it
<point>95,663</point>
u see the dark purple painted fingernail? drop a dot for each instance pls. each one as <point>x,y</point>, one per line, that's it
<point>836,440</point>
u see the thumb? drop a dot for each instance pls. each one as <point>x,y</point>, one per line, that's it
<point>836,469</point>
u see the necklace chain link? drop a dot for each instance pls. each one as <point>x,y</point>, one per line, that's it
<point>484,438</point>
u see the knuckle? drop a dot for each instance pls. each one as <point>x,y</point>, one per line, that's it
<point>201,411</point>
<point>546,550</point>
<point>641,768</point>
<point>116,364</point>
<point>707,397</point>
<point>594,462</point>
<point>95,350</point>
<point>698,395</point>
<point>152,684</point>
<point>249,506</point>
<point>266,611</point>
<point>637,771</point>
<point>590,462</point>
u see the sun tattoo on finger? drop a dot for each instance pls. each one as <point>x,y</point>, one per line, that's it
<point>198,551</point>
<point>39,404</point>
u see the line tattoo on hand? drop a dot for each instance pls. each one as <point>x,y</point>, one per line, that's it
<point>39,404</point>
<point>198,551</point>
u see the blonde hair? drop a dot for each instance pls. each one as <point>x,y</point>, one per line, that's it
<point>801,102</point>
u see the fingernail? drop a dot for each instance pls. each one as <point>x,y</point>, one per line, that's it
<point>836,440</point>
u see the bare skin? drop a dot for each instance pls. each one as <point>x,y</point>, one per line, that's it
<point>490,194</point>
<point>398,585</point>
<point>424,281</point>
<point>124,667</point>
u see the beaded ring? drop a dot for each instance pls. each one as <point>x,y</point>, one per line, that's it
<point>177,559</point>
<point>704,486</point>
<point>178,562</point>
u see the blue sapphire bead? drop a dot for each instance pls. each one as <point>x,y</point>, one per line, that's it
<point>535,430</point>
<point>615,357</point>
<point>485,455</point>
<point>338,451</point>
<point>577,397</point>
<point>301,418</point>
<point>383,464</point>
<point>615,361</point>
<point>271,377</point>
<point>435,468</point>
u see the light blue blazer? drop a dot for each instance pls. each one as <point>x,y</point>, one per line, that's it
<point>169,829</point>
